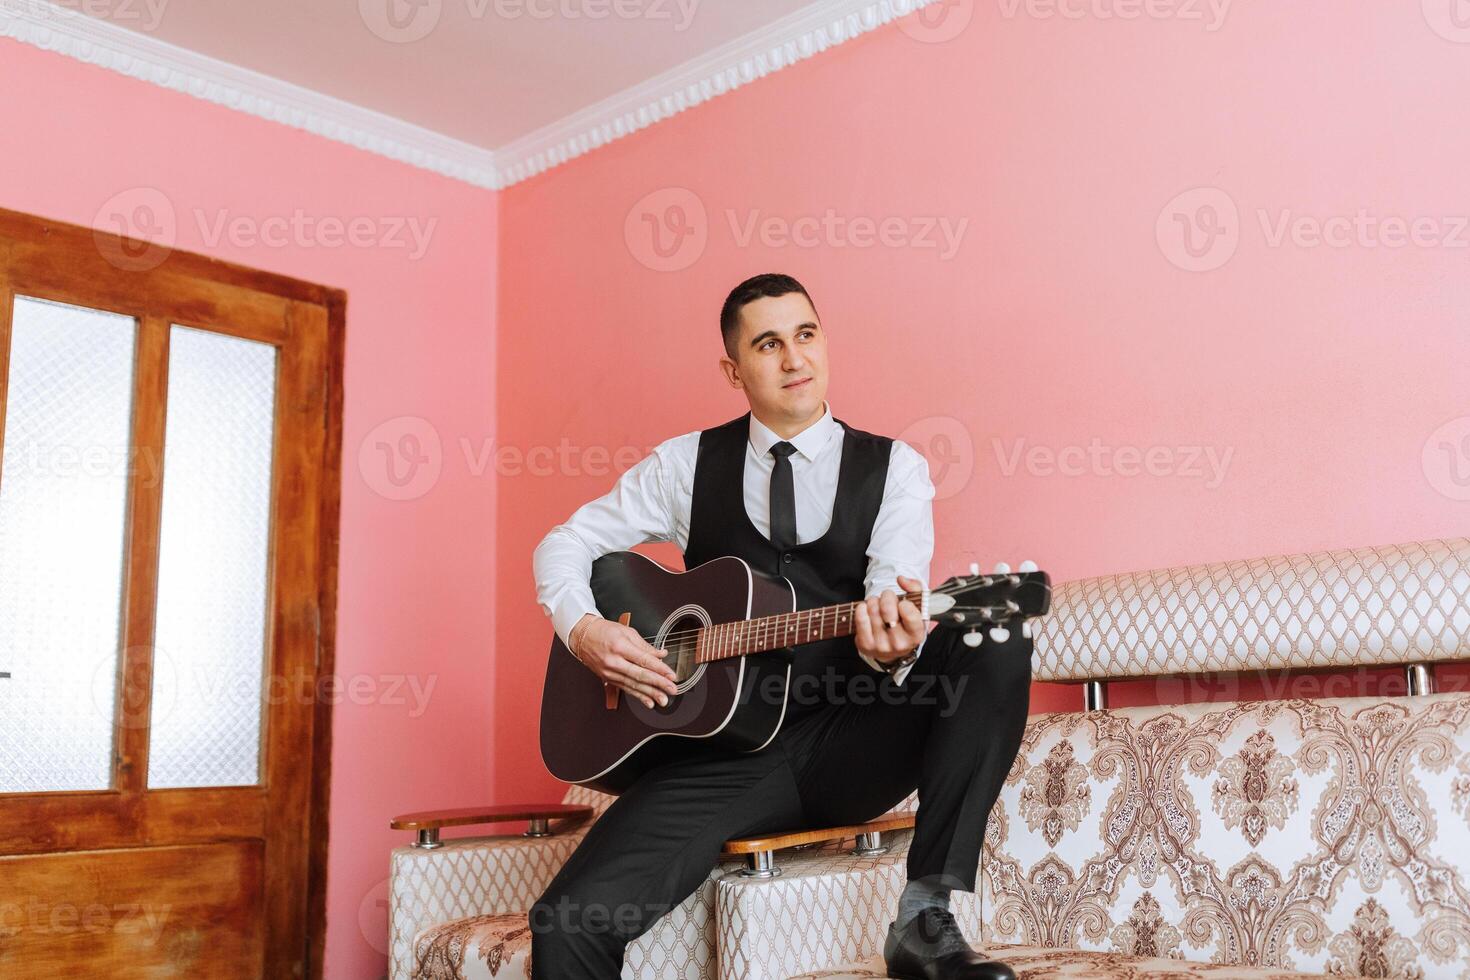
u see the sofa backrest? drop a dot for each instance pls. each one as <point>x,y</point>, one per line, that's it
<point>583,796</point>
<point>1391,604</point>
<point>1323,835</point>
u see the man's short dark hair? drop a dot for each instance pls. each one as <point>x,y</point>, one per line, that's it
<point>752,289</point>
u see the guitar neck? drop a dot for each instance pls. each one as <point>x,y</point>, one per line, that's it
<point>742,637</point>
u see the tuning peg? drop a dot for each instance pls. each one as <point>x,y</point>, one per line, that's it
<point>999,634</point>
<point>1001,568</point>
<point>1028,565</point>
<point>974,568</point>
<point>972,639</point>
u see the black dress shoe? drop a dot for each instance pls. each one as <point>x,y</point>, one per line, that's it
<point>930,947</point>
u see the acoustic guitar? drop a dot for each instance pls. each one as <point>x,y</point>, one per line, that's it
<point>728,631</point>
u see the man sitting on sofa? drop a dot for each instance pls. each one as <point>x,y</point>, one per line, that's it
<point>845,515</point>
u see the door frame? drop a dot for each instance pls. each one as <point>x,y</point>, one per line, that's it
<point>118,251</point>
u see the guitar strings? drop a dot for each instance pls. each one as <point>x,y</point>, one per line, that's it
<point>682,635</point>
<point>911,596</point>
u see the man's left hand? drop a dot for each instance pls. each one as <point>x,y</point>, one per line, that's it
<point>884,643</point>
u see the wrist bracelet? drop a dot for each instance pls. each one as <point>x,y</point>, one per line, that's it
<point>892,667</point>
<point>575,636</point>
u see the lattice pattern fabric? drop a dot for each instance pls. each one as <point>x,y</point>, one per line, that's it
<point>582,796</point>
<point>679,947</point>
<point>828,906</point>
<point>474,876</point>
<point>1032,963</point>
<point>1383,605</point>
<point>459,911</point>
<point>1282,835</point>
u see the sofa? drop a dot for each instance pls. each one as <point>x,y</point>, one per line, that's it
<point>772,907</point>
<point>1226,838</point>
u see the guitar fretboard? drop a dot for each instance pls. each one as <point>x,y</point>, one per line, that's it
<point>737,639</point>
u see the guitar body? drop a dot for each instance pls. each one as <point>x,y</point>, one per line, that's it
<point>730,633</point>
<point>735,704</point>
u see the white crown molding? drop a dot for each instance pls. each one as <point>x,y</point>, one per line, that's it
<point>101,43</point>
<point>797,36</point>
<point>793,38</point>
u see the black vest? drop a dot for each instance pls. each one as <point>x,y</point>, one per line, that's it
<point>824,571</point>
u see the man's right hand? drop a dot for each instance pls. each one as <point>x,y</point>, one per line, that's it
<point>620,656</point>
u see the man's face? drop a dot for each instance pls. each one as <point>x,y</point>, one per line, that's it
<point>780,359</point>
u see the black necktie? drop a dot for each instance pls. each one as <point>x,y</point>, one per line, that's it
<point>783,497</point>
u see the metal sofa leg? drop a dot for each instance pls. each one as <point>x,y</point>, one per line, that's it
<point>1094,695</point>
<point>869,845</point>
<point>1420,678</point>
<point>760,864</point>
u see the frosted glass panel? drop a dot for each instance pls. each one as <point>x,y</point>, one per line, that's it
<point>209,654</point>
<point>63,499</point>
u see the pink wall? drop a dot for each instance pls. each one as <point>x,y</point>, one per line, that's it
<point>1061,319</point>
<point>1056,313</point>
<point>417,575</point>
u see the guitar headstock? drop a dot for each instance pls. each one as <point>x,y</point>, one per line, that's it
<point>996,601</point>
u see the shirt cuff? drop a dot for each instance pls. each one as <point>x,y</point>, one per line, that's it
<point>566,615</point>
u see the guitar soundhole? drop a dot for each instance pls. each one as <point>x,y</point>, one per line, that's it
<point>676,639</point>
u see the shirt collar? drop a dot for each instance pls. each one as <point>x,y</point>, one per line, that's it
<point>810,442</point>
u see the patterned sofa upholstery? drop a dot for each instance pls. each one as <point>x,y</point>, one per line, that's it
<point>1311,835</point>
<point>1242,839</point>
<point>1249,840</point>
<point>458,912</point>
<point>443,903</point>
<point>828,906</point>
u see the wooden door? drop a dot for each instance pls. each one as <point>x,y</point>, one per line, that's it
<point>169,468</point>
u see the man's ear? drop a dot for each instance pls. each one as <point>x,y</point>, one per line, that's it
<point>731,371</point>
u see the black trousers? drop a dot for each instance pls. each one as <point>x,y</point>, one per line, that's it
<point>951,730</point>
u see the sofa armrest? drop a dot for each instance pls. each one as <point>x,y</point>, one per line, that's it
<point>759,852</point>
<point>428,823</point>
<point>897,820</point>
<point>468,876</point>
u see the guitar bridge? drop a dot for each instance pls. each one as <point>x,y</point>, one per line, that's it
<point>610,692</point>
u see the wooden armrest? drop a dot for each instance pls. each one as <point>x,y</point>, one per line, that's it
<point>896,820</point>
<point>428,823</point>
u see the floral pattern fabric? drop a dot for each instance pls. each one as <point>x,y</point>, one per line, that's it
<point>1036,963</point>
<point>1323,836</point>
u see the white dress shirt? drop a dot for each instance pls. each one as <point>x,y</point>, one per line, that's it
<point>652,502</point>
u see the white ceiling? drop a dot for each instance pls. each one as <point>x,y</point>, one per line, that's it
<point>491,92</point>
<point>485,72</point>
